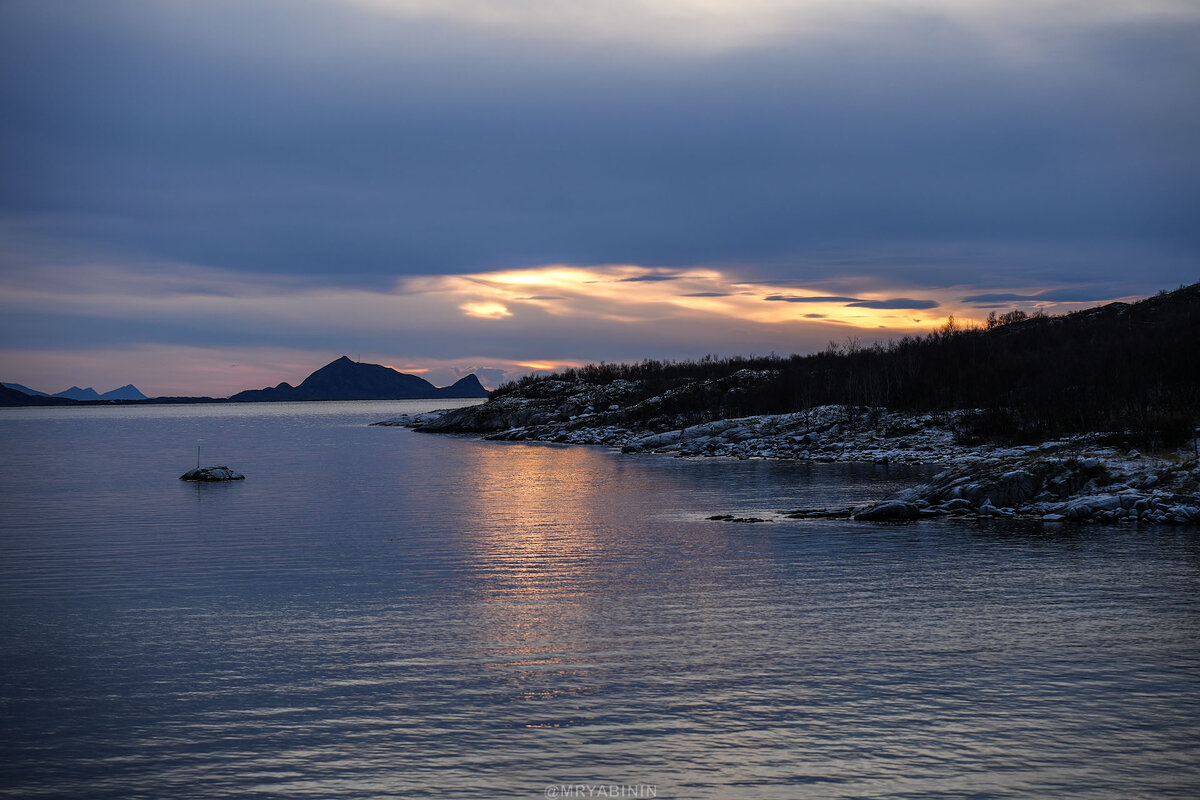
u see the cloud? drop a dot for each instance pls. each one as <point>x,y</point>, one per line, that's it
<point>543,182</point>
<point>353,143</point>
<point>998,297</point>
<point>811,299</point>
<point>485,310</point>
<point>895,303</point>
<point>688,27</point>
<point>1081,294</point>
<point>101,314</point>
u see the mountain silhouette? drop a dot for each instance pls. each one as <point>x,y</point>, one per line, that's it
<point>15,397</point>
<point>75,393</point>
<point>126,392</point>
<point>467,386</point>
<point>25,389</point>
<point>344,379</point>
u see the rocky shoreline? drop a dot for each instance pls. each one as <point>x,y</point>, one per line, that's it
<point>1076,479</point>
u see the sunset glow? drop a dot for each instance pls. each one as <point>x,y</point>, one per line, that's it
<point>485,185</point>
<point>485,310</point>
<point>629,294</point>
<point>537,319</point>
<point>598,398</point>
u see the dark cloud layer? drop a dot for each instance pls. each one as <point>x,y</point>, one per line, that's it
<point>855,302</point>
<point>324,140</point>
<point>895,303</point>
<point>1088,294</point>
<point>299,175</point>
<point>816,299</point>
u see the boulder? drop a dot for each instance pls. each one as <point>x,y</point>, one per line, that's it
<point>957,504</point>
<point>209,474</point>
<point>1082,508</point>
<point>1014,488</point>
<point>889,511</point>
<point>989,510</point>
<point>657,441</point>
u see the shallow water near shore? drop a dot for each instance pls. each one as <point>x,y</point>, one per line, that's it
<point>379,613</point>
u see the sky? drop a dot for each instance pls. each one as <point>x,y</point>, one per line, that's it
<point>202,197</point>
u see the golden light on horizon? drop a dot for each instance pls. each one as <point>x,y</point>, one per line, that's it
<point>546,366</point>
<point>631,294</point>
<point>487,310</point>
<point>540,276</point>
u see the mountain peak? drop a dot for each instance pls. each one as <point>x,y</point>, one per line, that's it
<point>75,393</point>
<point>466,386</point>
<point>344,379</point>
<point>126,392</point>
<point>25,389</point>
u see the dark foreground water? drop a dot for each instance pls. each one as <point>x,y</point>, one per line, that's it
<point>379,613</point>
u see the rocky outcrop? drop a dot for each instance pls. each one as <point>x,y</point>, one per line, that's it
<point>544,411</point>
<point>824,433</point>
<point>888,511</point>
<point>1084,482</point>
<point>211,474</point>
<point>1070,479</point>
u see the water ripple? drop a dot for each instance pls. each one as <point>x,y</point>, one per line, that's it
<point>376,613</point>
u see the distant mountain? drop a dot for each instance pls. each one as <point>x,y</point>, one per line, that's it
<point>25,389</point>
<point>468,386</point>
<point>88,395</point>
<point>126,392</point>
<point>15,397</point>
<point>75,393</point>
<point>344,379</point>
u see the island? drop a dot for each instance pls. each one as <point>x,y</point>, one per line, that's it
<point>341,379</point>
<point>211,475</point>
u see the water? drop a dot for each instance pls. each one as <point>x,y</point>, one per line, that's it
<point>379,613</point>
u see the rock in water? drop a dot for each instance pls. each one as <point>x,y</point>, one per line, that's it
<point>889,511</point>
<point>205,474</point>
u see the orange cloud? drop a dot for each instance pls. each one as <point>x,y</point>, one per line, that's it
<point>504,322</point>
<point>631,294</point>
<point>487,310</point>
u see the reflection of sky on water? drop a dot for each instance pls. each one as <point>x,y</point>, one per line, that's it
<point>377,612</point>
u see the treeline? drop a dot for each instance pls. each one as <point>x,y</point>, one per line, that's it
<point>1120,367</point>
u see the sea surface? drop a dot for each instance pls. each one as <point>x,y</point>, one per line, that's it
<point>377,613</point>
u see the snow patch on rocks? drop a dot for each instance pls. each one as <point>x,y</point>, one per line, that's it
<point>1073,480</point>
<point>1070,479</point>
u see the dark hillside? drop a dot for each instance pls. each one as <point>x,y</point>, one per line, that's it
<point>13,397</point>
<point>1118,367</point>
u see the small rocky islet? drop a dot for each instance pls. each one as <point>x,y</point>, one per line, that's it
<point>211,475</point>
<point>1076,479</point>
